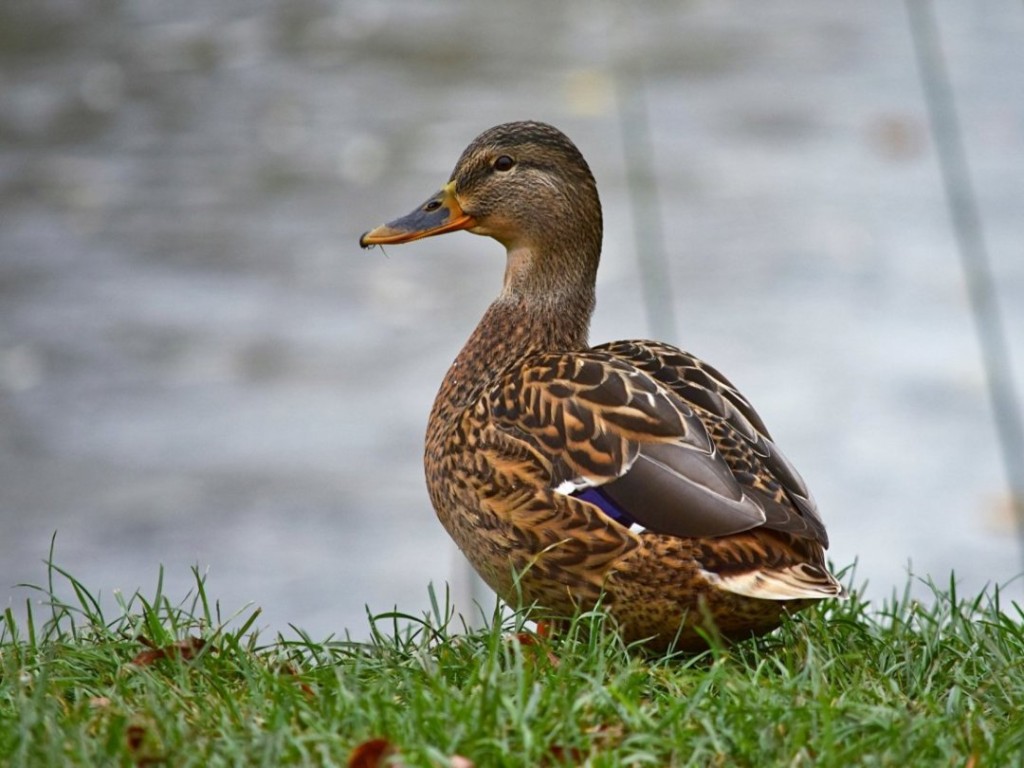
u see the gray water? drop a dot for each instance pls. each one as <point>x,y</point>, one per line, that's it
<point>198,366</point>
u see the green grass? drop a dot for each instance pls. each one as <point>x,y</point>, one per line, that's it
<point>908,683</point>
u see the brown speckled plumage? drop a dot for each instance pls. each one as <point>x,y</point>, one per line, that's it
<point>698,519</point>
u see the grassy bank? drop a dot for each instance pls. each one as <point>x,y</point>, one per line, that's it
<point>175,683</point>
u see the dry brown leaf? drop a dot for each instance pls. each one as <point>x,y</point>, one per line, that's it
<point>530,640</point>
<point>135,736</point>
<point>372,753</point>
<point>183,649</point>
<point>142,747</point>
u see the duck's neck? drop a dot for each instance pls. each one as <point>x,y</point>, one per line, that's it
<point>515,326</point>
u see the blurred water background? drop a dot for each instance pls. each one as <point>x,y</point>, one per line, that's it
<point>198,366</point>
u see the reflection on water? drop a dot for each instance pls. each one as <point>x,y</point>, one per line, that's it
<point>198,365</point>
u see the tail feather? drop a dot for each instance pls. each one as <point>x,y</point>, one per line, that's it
<point>802,581</point>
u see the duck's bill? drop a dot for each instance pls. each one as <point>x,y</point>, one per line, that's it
<point>441,213</point>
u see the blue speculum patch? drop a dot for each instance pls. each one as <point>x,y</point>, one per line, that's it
<point>601,500</point>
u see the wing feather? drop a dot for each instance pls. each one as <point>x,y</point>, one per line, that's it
<point>736,429</point>
<point>667,439</point>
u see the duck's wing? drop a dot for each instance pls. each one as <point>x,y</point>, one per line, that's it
<point>737,431</point>
<point>614,434</point>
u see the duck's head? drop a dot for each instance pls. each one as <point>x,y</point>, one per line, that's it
<point>526,185</point>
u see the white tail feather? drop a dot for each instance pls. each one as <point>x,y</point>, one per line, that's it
<point>797,582</point>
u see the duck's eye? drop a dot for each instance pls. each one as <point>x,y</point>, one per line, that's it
<point>504,163</point>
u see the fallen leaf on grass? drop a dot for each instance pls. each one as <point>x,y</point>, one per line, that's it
<point>135,736</point>
<point>183,649</point>
<point>141,746</point>
<point>374,753</point>
<point>530,640</point>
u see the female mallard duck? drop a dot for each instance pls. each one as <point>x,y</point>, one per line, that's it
<point>631,472</point>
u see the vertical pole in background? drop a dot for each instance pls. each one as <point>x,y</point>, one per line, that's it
<point>641,181</point>
<point>963,211</point>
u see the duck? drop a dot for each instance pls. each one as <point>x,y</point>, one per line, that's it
<point>630,476</point>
